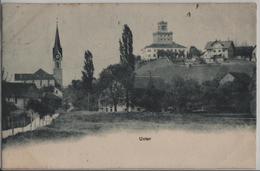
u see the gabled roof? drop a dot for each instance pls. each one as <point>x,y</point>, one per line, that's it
<point>158,45</point>
<point>242,77</point>
<point>244,51</point>
<point>38,75</point>
<point>42,74</point>
<point>225,44</point>
<point>25,90</point>
<point>162,22</point>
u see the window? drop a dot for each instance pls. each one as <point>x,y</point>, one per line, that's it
<point>57,65</point>
<point>15,100</point>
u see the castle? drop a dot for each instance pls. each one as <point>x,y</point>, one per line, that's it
<point>162,40</point>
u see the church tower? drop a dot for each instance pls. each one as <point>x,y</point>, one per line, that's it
<point>57,58</point>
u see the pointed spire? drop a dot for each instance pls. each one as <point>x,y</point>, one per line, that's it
<point>57,45</point>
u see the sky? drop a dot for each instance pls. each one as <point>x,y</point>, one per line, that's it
<point>29,31</point>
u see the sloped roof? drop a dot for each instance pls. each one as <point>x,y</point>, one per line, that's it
<point>244,51</point>
<point>242,77</point>
<point>38,75</point>
<point>158,45</point>
<point>162,22</point>
<point>225,44</point>
<point>11,89</point>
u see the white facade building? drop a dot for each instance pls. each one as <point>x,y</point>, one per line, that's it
<point>218,51</point>
<point>162,40</point>
<point>40,78</point>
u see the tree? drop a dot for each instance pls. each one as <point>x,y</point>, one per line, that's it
<point>185,94</point>
<point>111,85</point>
<point>88,71</point>
<point>87,75</point>
<point>152,97</point>
<point>127,60</point>
<point>126,48</point>
<point>7,108</point>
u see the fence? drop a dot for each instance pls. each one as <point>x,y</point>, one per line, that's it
<point>36,123</point>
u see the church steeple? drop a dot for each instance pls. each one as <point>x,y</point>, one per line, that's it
<point>57,57</point>
<point>57,46</point>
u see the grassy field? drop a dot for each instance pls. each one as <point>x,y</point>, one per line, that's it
<point>81,123</point>
<point>167,70</point>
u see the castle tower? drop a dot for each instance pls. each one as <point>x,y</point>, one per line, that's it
<point>162,36</point>
<point>57,58</point>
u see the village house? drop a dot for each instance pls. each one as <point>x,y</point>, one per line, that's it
<point>218,51</point>
<point>244,53</point>
<point>40,78</point>
<point>162,41</point>
<point>235,76</point>
<point>20,93</point>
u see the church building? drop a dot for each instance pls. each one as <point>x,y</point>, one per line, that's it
<point>162,40</point>
<point>42,78</point>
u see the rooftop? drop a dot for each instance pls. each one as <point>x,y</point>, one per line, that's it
<point>38,75</point>
<point>11,89</point>
<point>242,77</point>
<point>225,44</point>
<point>244,50</point>
<point>158,45</point>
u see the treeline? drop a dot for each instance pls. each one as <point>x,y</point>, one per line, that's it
<point>190,96</point>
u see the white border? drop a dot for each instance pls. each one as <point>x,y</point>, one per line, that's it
<point>129,1</point>
<point>178,1</point>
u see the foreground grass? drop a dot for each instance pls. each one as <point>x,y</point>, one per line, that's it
<point>81,123</point>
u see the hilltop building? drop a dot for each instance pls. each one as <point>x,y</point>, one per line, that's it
<point>218,51</point>
<point>162,41</point>
<point>41,78</point>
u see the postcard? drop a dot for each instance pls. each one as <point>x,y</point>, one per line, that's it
<point>129,86</point>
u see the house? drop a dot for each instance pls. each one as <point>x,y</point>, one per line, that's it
<point>162,41</point>
<point>244,52</point>
<point>53,90</point>
<point>235,76</point>
<point>40,78</point>
<point>219,51</point>
<point>19,93</point>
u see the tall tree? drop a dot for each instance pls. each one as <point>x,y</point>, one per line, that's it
<point>126,48</point>
<point>87,74</point>
<point>127,59</point>
<point>88,71</point>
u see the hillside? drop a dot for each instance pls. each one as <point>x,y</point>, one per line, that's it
<point>162,69</point>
